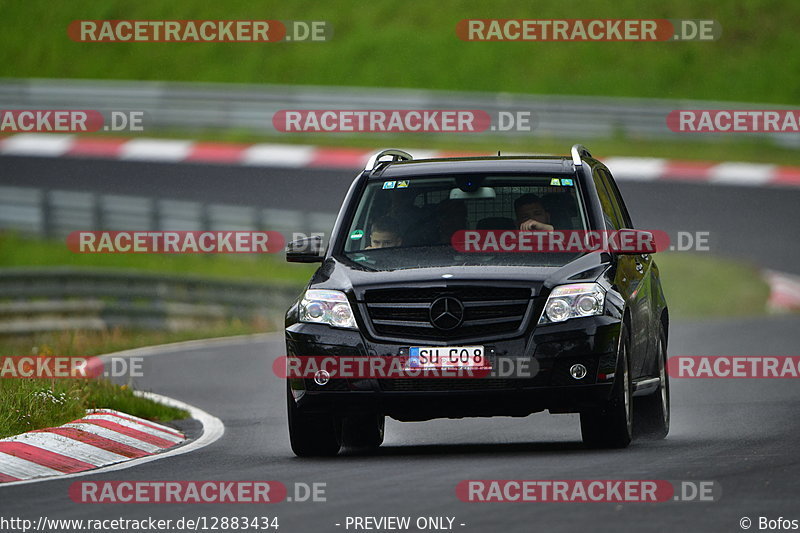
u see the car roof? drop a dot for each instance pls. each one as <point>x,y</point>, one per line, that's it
<point>469,165</point>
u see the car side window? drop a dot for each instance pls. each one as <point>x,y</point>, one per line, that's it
<point>610,212</point>
<point>616,197</point>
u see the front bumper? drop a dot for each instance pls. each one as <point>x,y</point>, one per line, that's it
<point>542,382</point>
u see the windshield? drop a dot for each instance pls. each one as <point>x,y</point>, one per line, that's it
<point>402,224</point>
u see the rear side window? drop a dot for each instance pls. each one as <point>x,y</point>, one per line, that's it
<point>616,198</point>
<point>611,212</point>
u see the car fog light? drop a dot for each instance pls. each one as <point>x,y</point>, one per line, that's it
<point>577,371</point>
<point>322,377</point>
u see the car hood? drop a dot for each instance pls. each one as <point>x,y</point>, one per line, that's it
<point>341,275</point>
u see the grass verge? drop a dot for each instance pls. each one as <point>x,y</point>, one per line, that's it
<point>30,404</point>
<point>90,343</point>
<point>18,251</point>
<point>703,286</point>
<point>390,43</point>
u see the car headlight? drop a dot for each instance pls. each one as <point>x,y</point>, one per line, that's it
<point>573,301</point>
<point>322,306</point>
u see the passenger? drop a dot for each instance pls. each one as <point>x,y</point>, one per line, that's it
<point>385,233</point>
<point>531,213</point>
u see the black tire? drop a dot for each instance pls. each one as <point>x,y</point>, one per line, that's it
<point>652,411</point>
<point>317,435</point>
<point>363,431</point>
<point>611,425</point>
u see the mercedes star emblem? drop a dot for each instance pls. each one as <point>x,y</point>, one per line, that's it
<point>446,313</point>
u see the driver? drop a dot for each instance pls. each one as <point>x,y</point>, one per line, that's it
<point>385,233</point>
<point>531,213</point>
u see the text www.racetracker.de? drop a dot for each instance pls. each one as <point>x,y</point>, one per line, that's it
<point>198,523</point>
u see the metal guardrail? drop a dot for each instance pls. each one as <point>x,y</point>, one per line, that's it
<point>56,213</point>
<point>55,299</point>
<point>35,300</point>
<point>173,105</point>
<point>52,299</point>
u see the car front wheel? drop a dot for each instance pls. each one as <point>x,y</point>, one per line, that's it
<point>652,411</point>
<point>312,435</point>
<point>363,431</point>
<point>610,425</point>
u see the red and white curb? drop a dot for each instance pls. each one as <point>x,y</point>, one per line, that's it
<point>306,156</point>
<point>103,437</point>
<point>72,465</point>
<point>784,291</point>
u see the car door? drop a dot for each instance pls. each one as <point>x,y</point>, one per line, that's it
<point>650,288</point>
<point>632,273</point>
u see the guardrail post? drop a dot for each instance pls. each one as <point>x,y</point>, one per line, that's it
<point>47,229</point>
<point>155,215</point>
<point>205,217</point>
<point>98,217</point>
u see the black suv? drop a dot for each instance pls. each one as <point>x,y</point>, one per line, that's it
<point>588,327</point>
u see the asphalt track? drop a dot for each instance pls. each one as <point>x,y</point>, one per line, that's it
<point>741,434</point>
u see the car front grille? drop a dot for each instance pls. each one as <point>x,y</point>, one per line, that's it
<point>405,313</point>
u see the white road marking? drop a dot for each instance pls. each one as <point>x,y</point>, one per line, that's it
<point>741,173</point>
<point>156,150</point>
<point>278,155</point>
<point>41,144</point>
<point>636,168</point>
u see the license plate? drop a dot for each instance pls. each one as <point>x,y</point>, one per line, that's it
<point>447,357</point>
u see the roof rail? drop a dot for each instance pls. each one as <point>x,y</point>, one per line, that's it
<point>397,155</point>
<point>579,150</point>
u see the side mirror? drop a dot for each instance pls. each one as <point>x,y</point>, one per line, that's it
<point>305,250</point>
<point>634,242</point>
